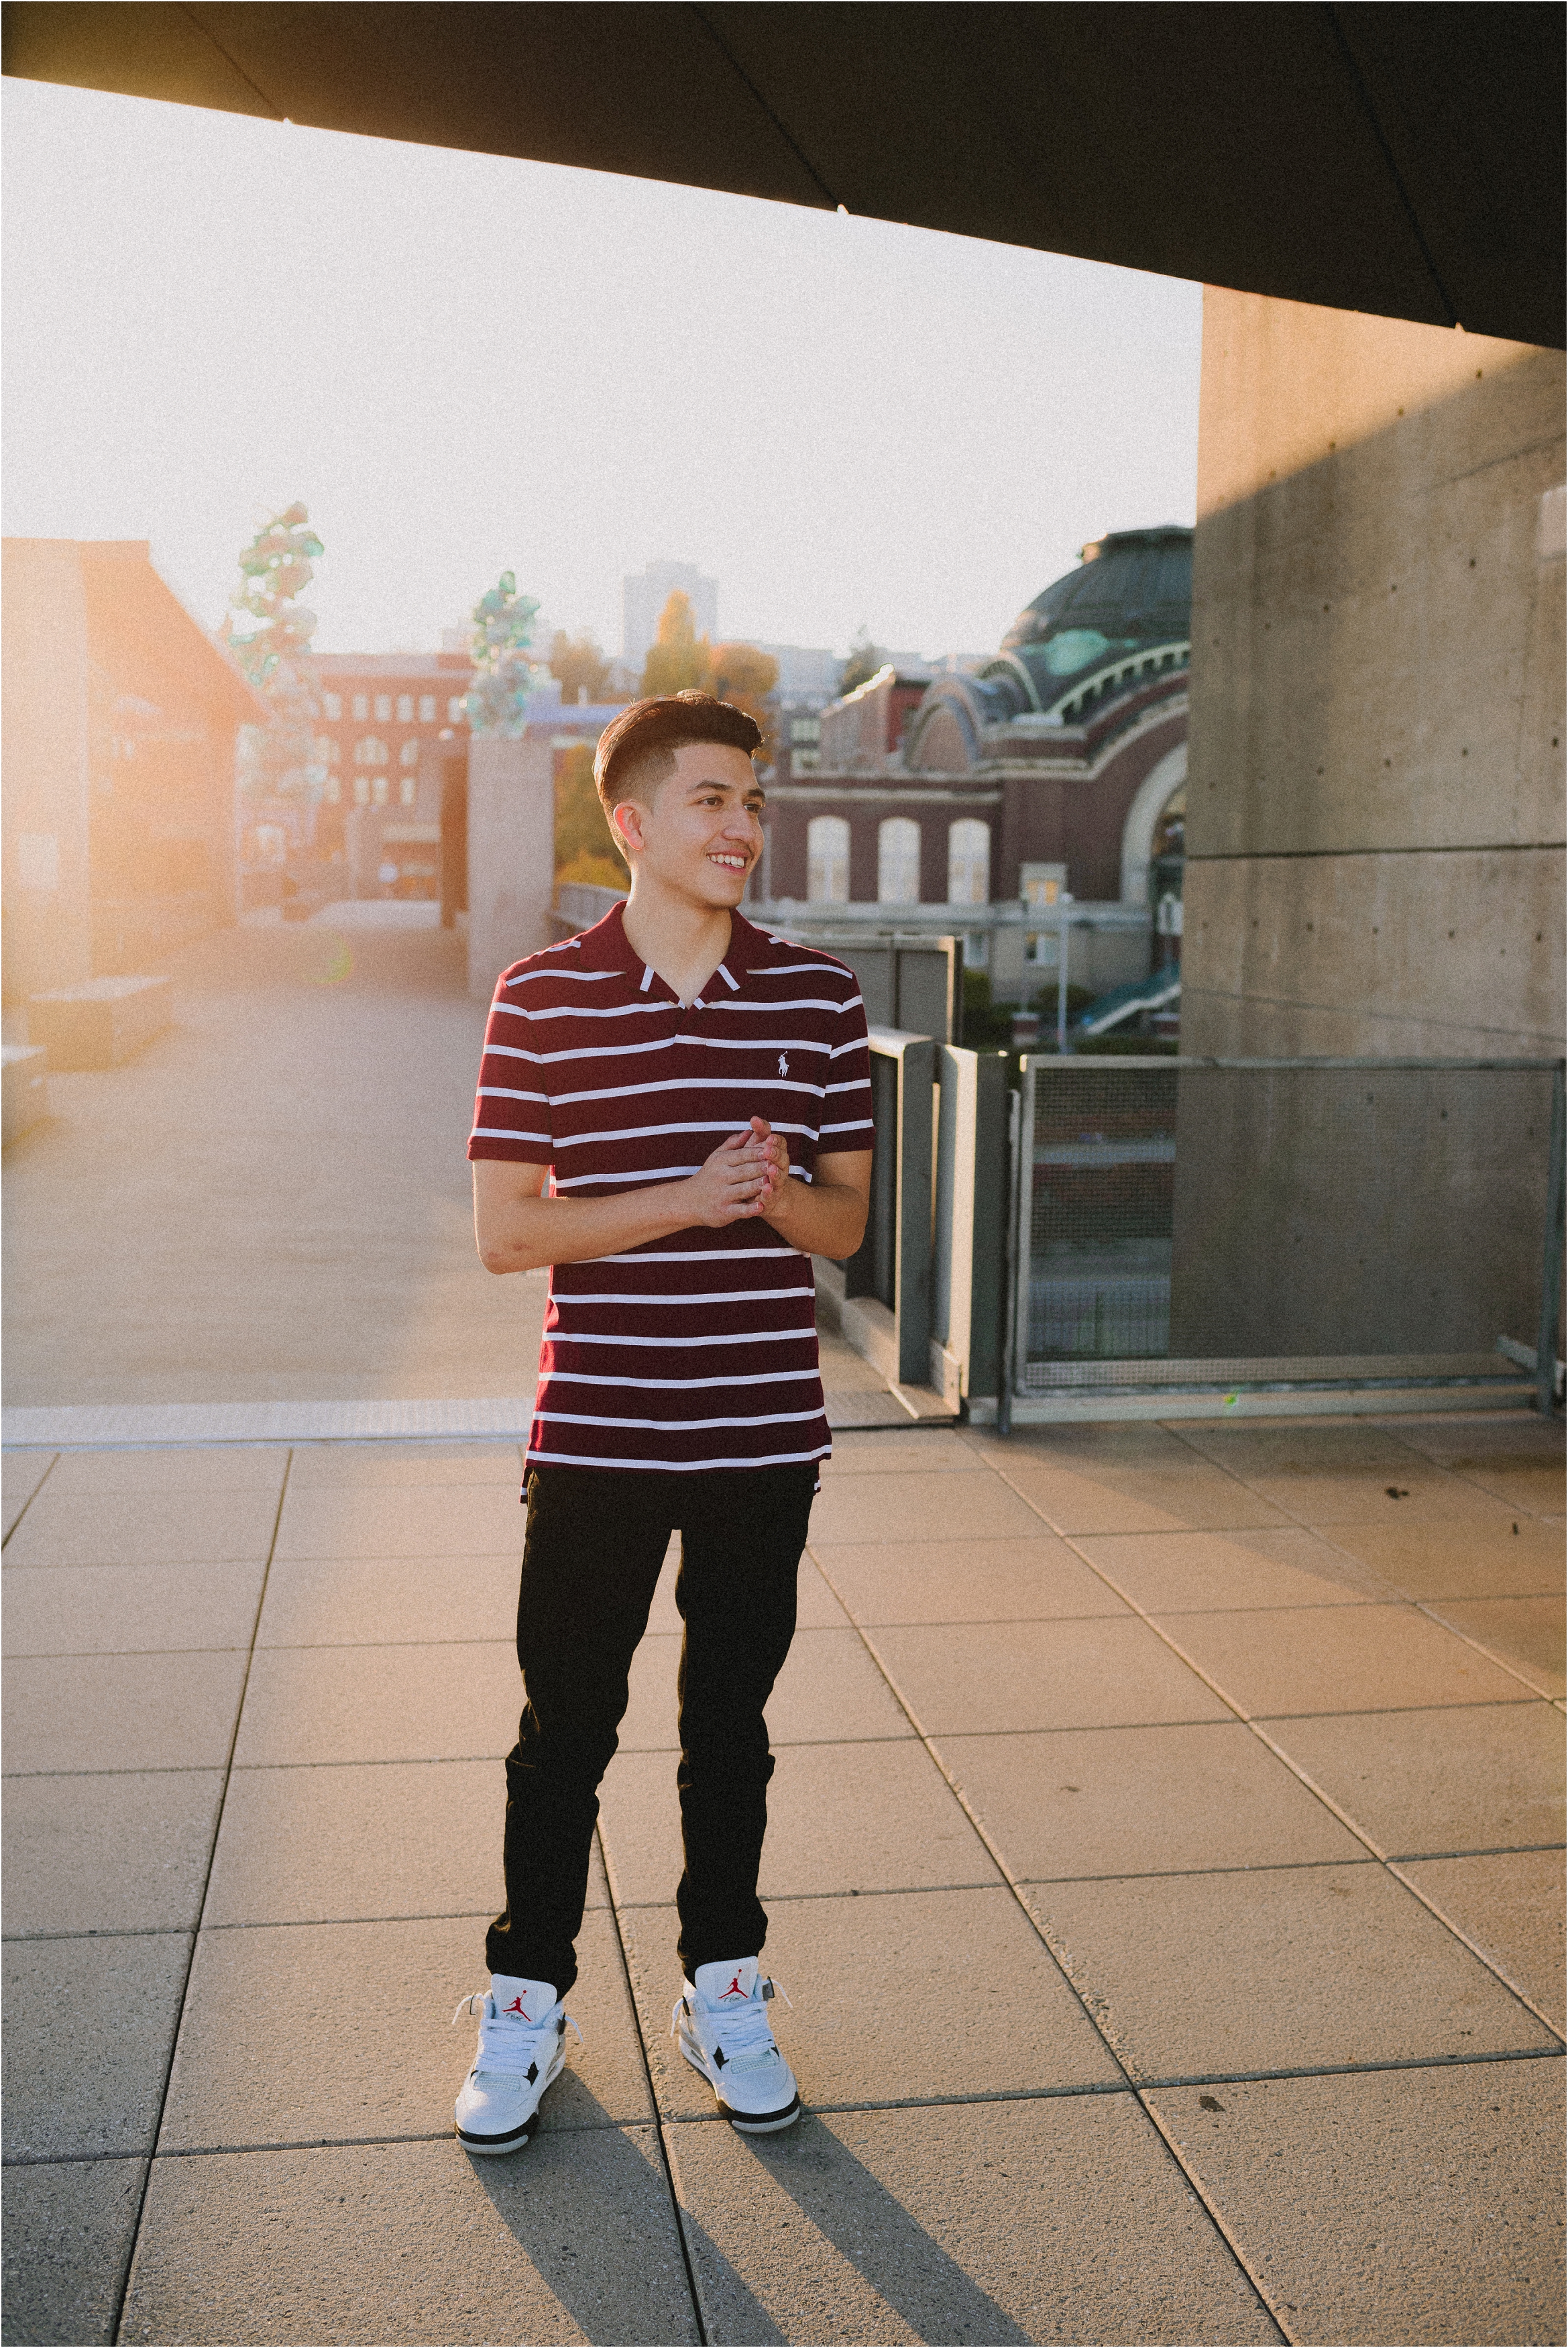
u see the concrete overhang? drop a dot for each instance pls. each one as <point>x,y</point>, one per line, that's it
<point>1401,160</point>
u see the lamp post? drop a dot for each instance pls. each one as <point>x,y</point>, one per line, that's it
<point>1064,917</point>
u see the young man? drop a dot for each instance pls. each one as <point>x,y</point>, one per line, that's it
<point>699,1093</point>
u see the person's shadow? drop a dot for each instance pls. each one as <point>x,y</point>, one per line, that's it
<point>588,2205</point>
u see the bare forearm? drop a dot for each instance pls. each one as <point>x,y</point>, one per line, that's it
<point>820,1218</point>
<point>522,1235</point>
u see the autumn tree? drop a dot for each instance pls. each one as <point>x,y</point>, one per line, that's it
<point>678,658</point>
<point>275,569</point>
<point>585,849</point>
<point>580,667</point>
<point>741,674</point>
<point>865,659</point>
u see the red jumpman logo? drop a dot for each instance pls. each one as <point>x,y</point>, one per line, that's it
<point>516,2007</point>
<point>735,1989</point>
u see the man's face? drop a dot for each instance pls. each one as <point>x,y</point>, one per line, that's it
<point>700,834</point>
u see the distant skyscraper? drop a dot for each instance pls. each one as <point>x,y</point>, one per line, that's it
<point>645,594</point>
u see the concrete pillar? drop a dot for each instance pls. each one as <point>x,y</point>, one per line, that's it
<point>511,854</point>
<point>1375,765</point>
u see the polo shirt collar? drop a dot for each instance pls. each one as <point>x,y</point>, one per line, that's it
<point>608,947</point>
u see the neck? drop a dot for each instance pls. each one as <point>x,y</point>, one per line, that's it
<point>684,940</point>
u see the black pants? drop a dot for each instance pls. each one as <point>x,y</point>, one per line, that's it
<point>593,1546</point>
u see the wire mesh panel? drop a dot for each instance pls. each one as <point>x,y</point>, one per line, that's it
<point>1322,1212</point>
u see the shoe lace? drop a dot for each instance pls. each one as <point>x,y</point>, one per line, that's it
<point>747,2035</point>
<point>507,2043</point>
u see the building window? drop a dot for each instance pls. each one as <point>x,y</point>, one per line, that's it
<point>898,861</point>
<point>378,790</point>
<point>332,705</point>
<point>362,790</point>
<point>968,862</point>
<point>427,709</point>
<point>360,708</point>
<point>382,708</point>
<point>407,789</point>
<point>335,752</point>
<point>409,754</point>
<point>371,752</point>
<point>335,789</point>
<point>827,861</point>
<point>456,710</point>
<point>406,709</point>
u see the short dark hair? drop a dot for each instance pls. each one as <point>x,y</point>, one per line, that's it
<point>642,741</point>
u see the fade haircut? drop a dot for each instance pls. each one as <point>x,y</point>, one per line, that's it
<point>638,748</point>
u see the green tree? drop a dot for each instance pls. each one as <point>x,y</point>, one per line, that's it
<point>585,849</point>
<point>578,663</point>
<point>275,569</point>
<point>679,660</point>
<point>504,676</point>
<point>865,659</point>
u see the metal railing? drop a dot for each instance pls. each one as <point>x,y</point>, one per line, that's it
<point>1236,1228</point>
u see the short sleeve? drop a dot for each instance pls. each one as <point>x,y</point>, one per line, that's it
<point>847,1108</point>
<point>511,1108</point>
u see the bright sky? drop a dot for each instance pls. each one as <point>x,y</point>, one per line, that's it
<point>465,365</point>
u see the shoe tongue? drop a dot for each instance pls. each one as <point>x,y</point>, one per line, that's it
<point>727,1984</point>
<point>524,2000</point>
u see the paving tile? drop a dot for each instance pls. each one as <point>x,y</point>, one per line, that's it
<point>1168,1573</point>
<point>572,2239</point>
<point>321,1467</point>
<point>899,1451</point>
<point>1525,1633</point>
<point>21,1473</point>
<point>88,2028</point>
<point>1337,1659</point>
<point>117,1609</point>
<point>167,1527</point>
<point>1136,1801</point>
<point>315,2034</point>
<point>905,1508</point>
<point>166,1467</point>
<point>1516,1457</point>
<point>1413,1493</point>
<point>1510,1903</point>
<point>313,1845</point>
<point>111,1854</point>
<point>828,1691</point>
<point>841,1817</point>
<point>962,1581</point>
<point>380,1601</point>
<point>311,1705</point>
<point>1392,2206</point>
<point>1302,1446</point>
<point>1458,1779</point>
<point>1095,1673</point>
<point>1122,1480</point>
<point>1535,1485</point>
<point>120,1712</point>
<point>69,2228</point>
<point>1072,2223</point>
<point>1285,1968</point>
<point>874,2019</point>
<point>1513,1558</point>
<point>428,1520</point>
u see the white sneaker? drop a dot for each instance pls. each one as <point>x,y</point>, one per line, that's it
<point>720,2021</point>
<point>522,2050</point>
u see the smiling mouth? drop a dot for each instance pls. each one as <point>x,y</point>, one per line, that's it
<point>730,863</point>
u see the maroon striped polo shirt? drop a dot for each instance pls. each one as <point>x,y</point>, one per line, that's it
<point>698,1350</point>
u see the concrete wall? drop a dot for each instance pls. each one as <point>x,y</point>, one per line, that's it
<point>48,906</point>
<point>511,854</point>
<point>1375,799</point>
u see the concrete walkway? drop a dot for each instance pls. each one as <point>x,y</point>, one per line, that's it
<point>1164,1861</point>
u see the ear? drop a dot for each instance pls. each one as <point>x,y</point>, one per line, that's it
<point>626,821</point>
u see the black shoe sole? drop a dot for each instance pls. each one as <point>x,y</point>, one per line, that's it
<point>760,2123</point>
<point>488,2144</point>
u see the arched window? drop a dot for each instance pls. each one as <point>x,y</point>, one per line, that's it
<point>827,861</point>
<point>968,862</point>
<point>898,861</point>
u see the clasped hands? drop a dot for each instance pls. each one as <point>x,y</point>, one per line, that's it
<point>746,1175</point>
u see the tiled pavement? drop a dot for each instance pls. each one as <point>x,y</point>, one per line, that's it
<point>1165,1863</point>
